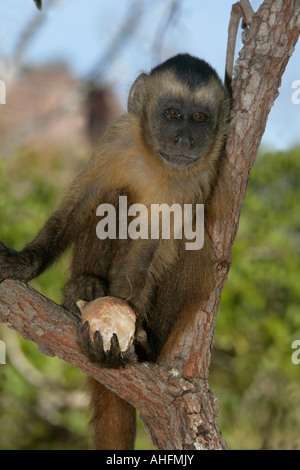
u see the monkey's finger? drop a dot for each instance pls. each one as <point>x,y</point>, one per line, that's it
<point>114,354</point>
<point>98,346</point>
<point>114,343</point>
<point>129,356</point>
<point>84,333</point>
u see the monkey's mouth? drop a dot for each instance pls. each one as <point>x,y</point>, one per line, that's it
<point>177,159</point>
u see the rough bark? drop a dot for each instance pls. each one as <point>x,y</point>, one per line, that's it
<point>178,409</point>
<point>165,399</point>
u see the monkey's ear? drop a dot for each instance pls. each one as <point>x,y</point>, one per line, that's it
<point>137,95</point>
<point>81,304</point>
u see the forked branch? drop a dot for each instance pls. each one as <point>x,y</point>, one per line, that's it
<point>241,9</point>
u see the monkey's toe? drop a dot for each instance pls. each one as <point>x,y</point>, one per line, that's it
<point>93,348</point>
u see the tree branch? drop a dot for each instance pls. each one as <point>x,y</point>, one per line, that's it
<point>239,10</point>
<point>160,402</point>
<point>268,45</point>
<point>174,399</point>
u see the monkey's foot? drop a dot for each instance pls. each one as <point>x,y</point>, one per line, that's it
<point>94,348</point>
<point>84,286</point>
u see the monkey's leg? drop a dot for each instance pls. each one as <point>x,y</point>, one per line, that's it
<point>85,287</point>
<point>113,420</point>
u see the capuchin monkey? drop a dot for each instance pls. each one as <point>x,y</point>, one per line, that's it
<point>167,149</point>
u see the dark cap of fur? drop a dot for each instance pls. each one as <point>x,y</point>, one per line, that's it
<point>188,69</point>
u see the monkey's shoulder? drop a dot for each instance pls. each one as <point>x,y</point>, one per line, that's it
<point>121,134</point>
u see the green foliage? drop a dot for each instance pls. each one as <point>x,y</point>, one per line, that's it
<point>50,410</point>
<point>43,407</point>
<point>259,313</point>
<point>259,317</point>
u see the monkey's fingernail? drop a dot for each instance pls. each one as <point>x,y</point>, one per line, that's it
<point>97,336</point>
<point>115,340</point>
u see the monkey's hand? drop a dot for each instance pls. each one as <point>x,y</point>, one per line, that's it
<point>94,348</point>
<point>13,264</point>
<point>106,331</point>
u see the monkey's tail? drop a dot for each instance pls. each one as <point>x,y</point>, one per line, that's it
<point>113,420</point>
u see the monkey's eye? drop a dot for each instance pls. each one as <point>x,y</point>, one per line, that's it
<point>173,113</point>
<point>199,117</point>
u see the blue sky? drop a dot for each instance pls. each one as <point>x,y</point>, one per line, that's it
<point>78,32</point>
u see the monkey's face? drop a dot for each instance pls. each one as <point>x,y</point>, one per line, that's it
<point>184,126</point>
<point>180,130</point>
<point>183,110</point>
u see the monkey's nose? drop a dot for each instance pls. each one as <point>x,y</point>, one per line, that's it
<point>184,141</point>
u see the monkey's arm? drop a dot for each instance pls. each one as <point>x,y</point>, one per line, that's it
<point>54,238</point>
<point>37,255</point>
<point>62,228</point>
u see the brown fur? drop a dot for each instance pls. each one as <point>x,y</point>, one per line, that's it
<point>162,281</point>
<point>113,419</point>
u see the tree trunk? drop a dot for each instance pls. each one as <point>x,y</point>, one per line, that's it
<point>174,400</point>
